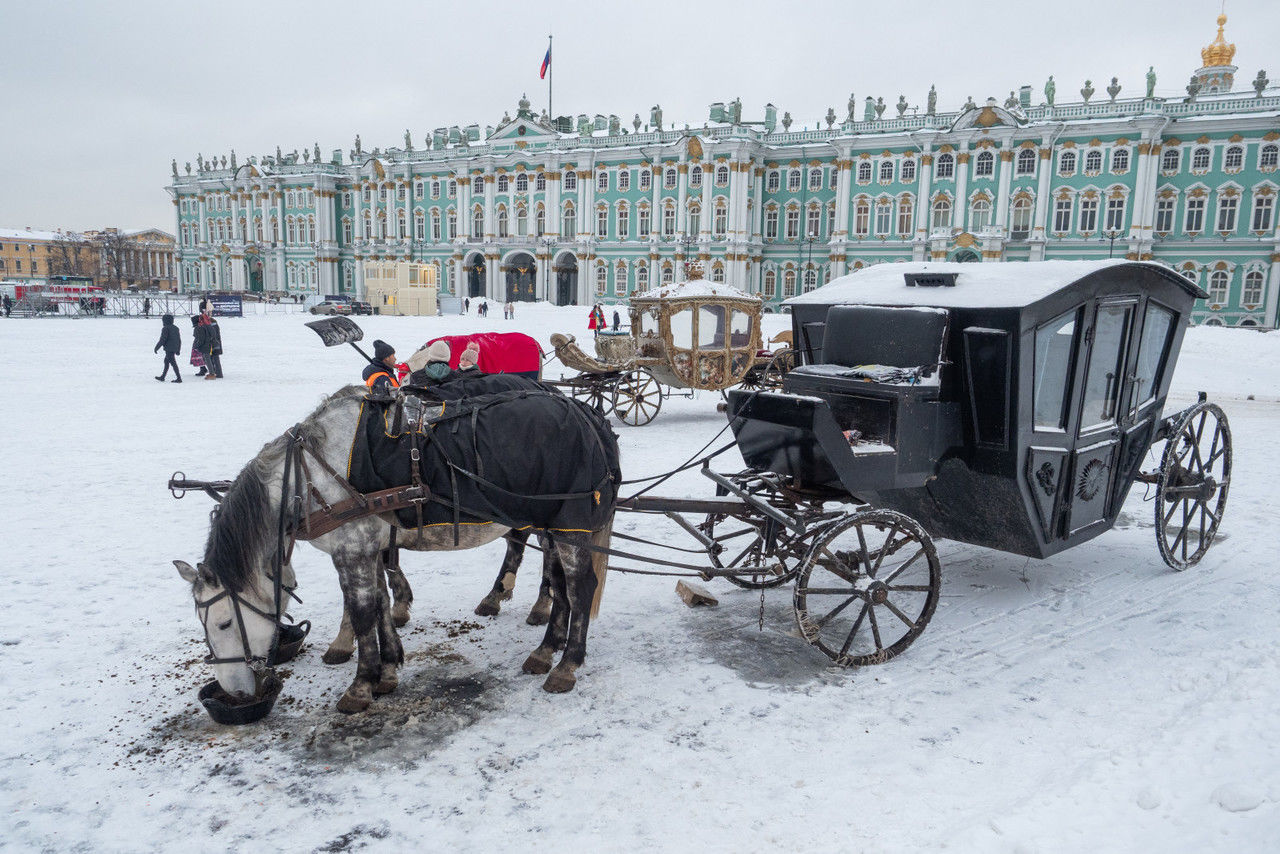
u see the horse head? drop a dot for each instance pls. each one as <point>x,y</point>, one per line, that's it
<point>239,629</point>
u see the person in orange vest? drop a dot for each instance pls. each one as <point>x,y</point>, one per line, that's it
<point>380,375</point>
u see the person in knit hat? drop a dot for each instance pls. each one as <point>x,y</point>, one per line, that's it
<point>380,374</point>
<point>470,358</point>
<point>437,368</point>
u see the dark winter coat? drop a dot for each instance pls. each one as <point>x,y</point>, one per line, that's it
<point>208,338</point>
<point>380,378</point>
<point>170,339</point>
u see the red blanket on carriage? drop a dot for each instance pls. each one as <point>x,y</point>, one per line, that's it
<point>500,352</point>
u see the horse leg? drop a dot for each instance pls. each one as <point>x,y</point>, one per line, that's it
<point>399,586</point>
<point>491,604</point>
<point>582,574</point>
<point>362,591</point>
<point>539,661</point>
<point>344,645</point>
<point>391,652</point>
<point>541,610</point>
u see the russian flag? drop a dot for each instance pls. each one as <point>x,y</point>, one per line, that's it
<point>546,63</point>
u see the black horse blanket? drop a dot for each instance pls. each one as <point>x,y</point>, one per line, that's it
<point>527,457</point>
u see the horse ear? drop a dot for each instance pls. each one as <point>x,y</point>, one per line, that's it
<point>206,575</point>
<point>186,570</point>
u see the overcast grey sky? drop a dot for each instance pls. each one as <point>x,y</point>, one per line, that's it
<point>100,95</point>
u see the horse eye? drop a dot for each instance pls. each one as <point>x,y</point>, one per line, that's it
<point>222,627</point>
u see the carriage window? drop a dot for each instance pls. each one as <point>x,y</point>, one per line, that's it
<point>1055,357</point>
<point>1106,365</point>
<point>711,326</point>
<point>740,329</point>
<point>682,329</point>
<point>1152,350</point>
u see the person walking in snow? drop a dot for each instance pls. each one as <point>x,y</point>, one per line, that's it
<point>196,360</point>
<point>171,341</point>
<point>209,342</point>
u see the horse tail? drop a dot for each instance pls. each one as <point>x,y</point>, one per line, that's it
<point>600,562</point>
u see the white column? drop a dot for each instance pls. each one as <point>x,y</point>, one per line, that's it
<point>959,213</point>
<point>682,198</point>
<point>708,211</point>
<point>1003,180</point>
<point>1142,201</point>
<point>490,208</point>
<point>1044,204</point>
<point>924,211</point>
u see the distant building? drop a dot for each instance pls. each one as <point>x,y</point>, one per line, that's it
<point>585,211</point>
<point>398,287</point>
<point>112,258</point>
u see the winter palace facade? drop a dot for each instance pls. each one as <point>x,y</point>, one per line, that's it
<point>590,211</point>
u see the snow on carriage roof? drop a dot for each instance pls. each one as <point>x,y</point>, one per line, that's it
<point>695,288</point>
<point>996,284</point>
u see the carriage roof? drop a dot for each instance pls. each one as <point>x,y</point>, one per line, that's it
<point>1001,284</point>
<point>695,289</point>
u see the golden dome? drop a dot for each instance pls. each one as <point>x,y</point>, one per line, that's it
<point>1218,53</point>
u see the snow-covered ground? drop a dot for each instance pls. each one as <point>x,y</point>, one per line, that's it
<point>1095,701</point>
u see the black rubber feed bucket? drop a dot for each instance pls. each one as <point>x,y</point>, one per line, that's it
<point>290,644</point>
<point>225,710</point>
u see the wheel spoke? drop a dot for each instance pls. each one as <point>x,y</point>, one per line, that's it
<point>838,567</point>
<point>835,611</point>
<point>883,551</point>
<point>909,588</point>
<point>862,545</point>
<point>903,568</point>
<point>901,616</point>
<point>875,627</point>
<point>848,642</point>
<point>829,591</point>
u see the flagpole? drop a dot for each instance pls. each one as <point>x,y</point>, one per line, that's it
<point>551,74</point>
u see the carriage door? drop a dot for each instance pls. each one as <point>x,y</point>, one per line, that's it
<point>1101,419</point>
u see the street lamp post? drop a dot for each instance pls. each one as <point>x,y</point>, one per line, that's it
<point>1110,236</point>
<point>547,244</point>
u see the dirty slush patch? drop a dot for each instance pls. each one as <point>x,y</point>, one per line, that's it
<point>441,693</point>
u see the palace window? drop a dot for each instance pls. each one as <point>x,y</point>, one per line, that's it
<point>788,283</point>
<point>814,225</point>
<point>1227,206</point>
<point>620,279</point>
<point>1252,293</point>
<point>864,172</point>
<point>861,217</point>
<point>346,200</point>
<point>1092,162</point>
<point>400,190</point>
<point>570,180</point>
<point>540,220</point>
<point>886,171</point>
<point>453,189</point>
<point>1195,215</point>
<point>401,231</point>
<point>810,280</point>
<point>772,182</point>
<point>884,216</point>
<point>793,180</point>
<point>602,222</point>
<point>646,180</point>
<point>669,221</point>
<point>1219,285</point>
<point>435,189</point>
<point>717,272</point>
<point>1262,207</point>
<point>1120,161</point>
<point>985,165</point>
<point>946,166</point>
<point>1164,215</point>
<point>436,235</point>
<point>602,279</point>
<point>644,225</point>
<point>833,181</point>
<point>1067,163</point>
<point>908,171</point>
<point>477,185</point>
<point>831,220</point>
<point>1115,215</point>
<point>624,222</point>
<point>905,212</point>
<point>522,182</point>
<point>815,179</point>
<point>1062,216</point>
<point>602,181</point>
<point>1026,162</point>
<point>368,194</point>
<point>1088,215</point>
<point>695,177</point>
<point>941,213</point>
<point>477,223</point>
<point>722,222</point>
<point>979,216</point>
<point>1020,221</point>
<point>1200,159</point>
<point>452,218</point>
<point>669,179</point>
<point>695,219</point>
<point>1268,157</point>
<point>770,284</point>
<point>793,223</point>
<point>1233,159</point>
<point>771,223</point>
<point>522,221</point>
<point>642,278</point>
<point>504,183</point>
<point>503,228</point>
<point>666,273</point>
<point>624,180</point>
<point>722,176</point>
<point>540,183</point>
<point>1171,160</point>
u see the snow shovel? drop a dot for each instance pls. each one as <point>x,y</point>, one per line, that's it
<point>340,330</point>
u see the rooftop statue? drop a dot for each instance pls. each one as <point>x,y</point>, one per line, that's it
<point>1087,91</point>
<point>1113,89</point>
<point>853,109</point>
<point>932,103</point>
<point>869,109</point>
<point>902,105</point>
<point>879,107</point>
<point>1151,81</point>
<point>173,164</point>
<point>1049,90</point>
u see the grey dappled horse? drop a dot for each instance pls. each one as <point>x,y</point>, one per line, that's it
<point>233,585</point>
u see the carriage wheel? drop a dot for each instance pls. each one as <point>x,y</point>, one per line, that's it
<point>1191,487</point>
<point>779,366</point>
<point>743,547</point>
<point>637,397</point>
<point>868,587</point>
<point>595,393</point>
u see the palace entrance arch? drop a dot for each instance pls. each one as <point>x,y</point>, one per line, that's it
<point>566,278</point>
<point>475,275</point>
<point>521,274</point>
<point>254,264</point>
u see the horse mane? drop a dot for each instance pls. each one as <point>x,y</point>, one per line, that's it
<point>244,525</point>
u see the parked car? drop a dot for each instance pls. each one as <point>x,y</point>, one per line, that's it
<point>361,307</point>
<point>332,307</point>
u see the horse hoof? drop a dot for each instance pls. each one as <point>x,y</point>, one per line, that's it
<point>537,617</point>
<point>399,615</point>
<point>559,682</point>
<point>336,656</point>
<point>352,703</point>
<point>387,684</point>
<point>486,609</point>
<point>536,665</point>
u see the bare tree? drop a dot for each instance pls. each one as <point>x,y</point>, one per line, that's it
<point>73,254</point>
<point>120,257</point>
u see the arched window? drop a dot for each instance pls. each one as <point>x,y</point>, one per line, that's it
<point>815,179</point>
<point>946,166</point>
<point>602,279</point>
<point>810,280</point>
<point>602,181</point>
<point>1067,163</point>
<point>642,277</point>
<point>522,221</point>
<point>1120,160</point>
<point>540,220</point>
<point>1020,220</point>
<point>695,177</point>
<point>788,283</point>
<point>669,179</point>
<point>435,188</point>
<point>624,180</point>
<point>908,170</point>
<point>985,164</point>
<point>522,182</point>
<point>477,223</point>
<point>886,171</point>
<point>793,223</point>
<point>1027,161</point>
<point>864,172</point>
<point>504,183</point>
<point>771,223</point>
<point>722,221</point>
<point>722,176</point>
<point>569,222</point>
<point>667,272</point>
<point>1219,284</point>
<point>540,183</point>
<point>477,185</point>
<point>941,213</point>
<point>1233,159</point>
<point>1171,160</point>
<point>1269,156</point>
<point>1251,296</point>
<point>570,180</point>
<point>717,272</point>
<point>624,221</point>
<point>1092,162</point>
<point>906,212</point>
<point>695,218</point>
<point>793,180</point>
<point>620,279</point>
<point>1200,159</point>
<point>770,284</point>
<point>979,216</point>
<point>772,182</point>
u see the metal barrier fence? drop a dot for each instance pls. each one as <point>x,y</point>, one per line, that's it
<point>134,305</point>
